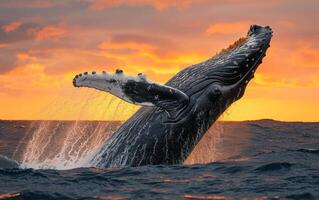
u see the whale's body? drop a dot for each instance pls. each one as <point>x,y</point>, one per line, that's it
<point>175,116</point>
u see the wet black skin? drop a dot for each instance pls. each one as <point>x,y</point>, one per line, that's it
<point>157,136</point>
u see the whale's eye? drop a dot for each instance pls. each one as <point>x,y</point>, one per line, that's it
<point>214,92</point>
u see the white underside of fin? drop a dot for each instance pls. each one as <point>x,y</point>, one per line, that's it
<point>111,83</point>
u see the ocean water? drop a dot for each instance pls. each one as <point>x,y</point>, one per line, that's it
<point>235,160</point>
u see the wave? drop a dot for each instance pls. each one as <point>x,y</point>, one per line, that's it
<point>305,195</point>
<point>6,162</point>
<point>311,151</point>
<point>275,166</point>
<point>238,179</point>
<point>41,195</point>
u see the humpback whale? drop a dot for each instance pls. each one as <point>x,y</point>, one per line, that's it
<point>175,116</point>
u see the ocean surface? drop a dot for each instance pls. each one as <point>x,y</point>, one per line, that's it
<point>263,159</point>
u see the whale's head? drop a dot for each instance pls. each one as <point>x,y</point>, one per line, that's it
<point>215,84</point>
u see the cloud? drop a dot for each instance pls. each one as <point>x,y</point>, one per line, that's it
<point>7,61</point>
<point>157,4</point>
<point>138,38</point>
<point>11,27</point>
<point>60,61</point>
<point>39,4</point>
<point>27,79</point>
<point>135,43</point>
<point>18,31</point>
<point>127,46</point>
<point>163,4</point>
<point>307,56</point>
<point>141,52</point>
<point>10,35</point>
<point>228,28</point>
<point>3,45</point>
<point>49,32</point>
<point>272,81</point>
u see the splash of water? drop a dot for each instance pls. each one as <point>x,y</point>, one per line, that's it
<point>64,145</point>
<point>222,142</point>
<point>69,144</point>
<point>207,150</point>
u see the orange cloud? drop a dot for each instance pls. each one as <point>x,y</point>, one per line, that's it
<point>155,49</point>
<point>27,79</point>
<point>228,28</point>
<point>126,45</point>
<point>148,55</point>
<point>308,56</point>
<point>161,4</point>
<point>3,46</point>
<point>23,56</point>
<point>157,4</point>
<point>39,4</point>
<point>270,81</point>
<point>49,32</point>
<point>12,26</point>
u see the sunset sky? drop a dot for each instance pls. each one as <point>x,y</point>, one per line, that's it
<point>44,43</point>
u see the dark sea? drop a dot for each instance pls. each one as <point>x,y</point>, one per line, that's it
<point>263,159</point>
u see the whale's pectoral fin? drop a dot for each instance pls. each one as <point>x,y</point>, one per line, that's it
<point>134,89</point>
